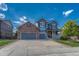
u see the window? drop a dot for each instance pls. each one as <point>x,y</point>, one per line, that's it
<point>42,24</point>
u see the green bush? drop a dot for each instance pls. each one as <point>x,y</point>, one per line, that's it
<point>63,38</point>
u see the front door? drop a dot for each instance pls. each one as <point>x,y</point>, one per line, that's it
<point>49,33</point>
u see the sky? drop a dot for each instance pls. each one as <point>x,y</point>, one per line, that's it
<point>20,13</point>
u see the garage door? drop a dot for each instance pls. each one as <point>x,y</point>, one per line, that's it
<point>26,36</point>
<point>42,36</point>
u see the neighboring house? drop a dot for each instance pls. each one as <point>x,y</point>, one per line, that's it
<point>5,29</point>
<point>45,30</point>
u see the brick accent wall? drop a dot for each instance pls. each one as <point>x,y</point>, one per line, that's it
<point>28,28</point>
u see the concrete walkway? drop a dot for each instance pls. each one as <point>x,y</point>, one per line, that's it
<point>37,48</point>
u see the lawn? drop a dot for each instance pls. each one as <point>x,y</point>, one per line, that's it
<point>71,43</point>
<point>5,42</point>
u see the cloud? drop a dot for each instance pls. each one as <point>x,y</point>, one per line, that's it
<point>3,7</point>
<point>36,24</point>
<point>23,19</point>
<point>18,22</point>
<point>2,15</point>
<point>67,13</point>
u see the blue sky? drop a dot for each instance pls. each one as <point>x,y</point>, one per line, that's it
<point>32,12</point>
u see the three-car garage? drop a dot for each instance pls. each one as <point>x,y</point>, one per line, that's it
<point>29,31</point>
<point>32,36</point>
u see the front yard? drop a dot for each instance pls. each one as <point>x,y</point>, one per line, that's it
<point>5,42</point>
<point>71,43</point>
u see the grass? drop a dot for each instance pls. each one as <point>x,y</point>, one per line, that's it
<point>5,42</point>
<point>71,43</point>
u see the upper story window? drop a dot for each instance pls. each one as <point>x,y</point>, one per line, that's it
<point>53,26</point>
<point>42,24</point>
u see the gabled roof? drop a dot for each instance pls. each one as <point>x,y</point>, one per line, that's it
<point>52,22</point>
<point>28,23</point>
<point>6,22</point>
<point>42,19</point>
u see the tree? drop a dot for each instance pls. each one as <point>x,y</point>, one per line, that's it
<point>70,29</point>
<point>75,30</point>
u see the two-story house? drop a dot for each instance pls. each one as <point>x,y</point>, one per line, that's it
<point>44,30</point>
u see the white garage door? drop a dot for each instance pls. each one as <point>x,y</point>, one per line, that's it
<point>26,36</point>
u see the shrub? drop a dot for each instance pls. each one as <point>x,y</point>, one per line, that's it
<point>63,38</point>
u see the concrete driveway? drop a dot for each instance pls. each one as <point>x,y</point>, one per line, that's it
<point>37,48</point>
